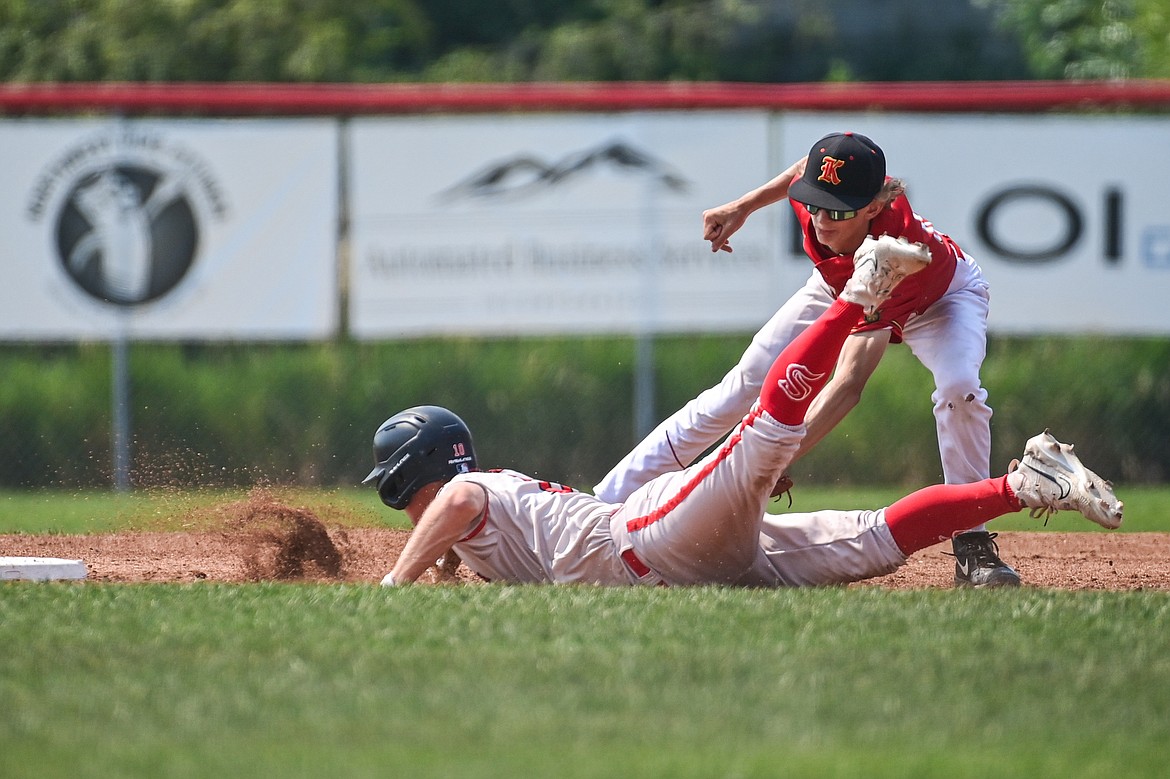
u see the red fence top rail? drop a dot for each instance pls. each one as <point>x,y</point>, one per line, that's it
<point>306,99</point>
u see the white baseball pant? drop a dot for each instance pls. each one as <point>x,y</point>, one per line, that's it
<point>949,339</point>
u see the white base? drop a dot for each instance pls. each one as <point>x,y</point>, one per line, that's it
<point>41,569</point>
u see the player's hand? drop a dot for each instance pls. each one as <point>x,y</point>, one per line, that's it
<point>719,224</point>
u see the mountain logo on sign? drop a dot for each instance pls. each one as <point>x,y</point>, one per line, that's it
<point>525,174</point>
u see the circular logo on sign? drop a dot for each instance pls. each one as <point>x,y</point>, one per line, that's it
<point>126,209</point>
<point>127,233</point>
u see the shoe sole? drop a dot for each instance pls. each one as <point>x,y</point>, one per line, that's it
<point>1086,492</point>
<point>900,255</point>
<point>1004,581</point>
<point>892,260</point>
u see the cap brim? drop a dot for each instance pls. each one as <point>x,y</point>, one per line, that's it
<point>803,192</point>
<point>374,474</point>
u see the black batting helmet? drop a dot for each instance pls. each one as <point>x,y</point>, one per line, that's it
<point>418,446</point>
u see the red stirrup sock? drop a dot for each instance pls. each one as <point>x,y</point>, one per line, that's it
<point>937,513</point>
<point>806,364</point>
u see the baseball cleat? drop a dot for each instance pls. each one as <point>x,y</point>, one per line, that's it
<point>1054,479</point>
<point>977,562</point>
<point>879,265</point>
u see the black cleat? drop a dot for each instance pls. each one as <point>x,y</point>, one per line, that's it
<point>977,562</point>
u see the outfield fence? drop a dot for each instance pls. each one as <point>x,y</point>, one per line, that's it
<point>164,239</point>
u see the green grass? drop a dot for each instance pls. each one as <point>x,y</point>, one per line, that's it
<point>356,681</point>
<point>1147,508</point>
<point>211,680</point>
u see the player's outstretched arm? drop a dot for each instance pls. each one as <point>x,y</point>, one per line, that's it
<point>859,358</point>
<point>721,222</point>
<point>449,517</point>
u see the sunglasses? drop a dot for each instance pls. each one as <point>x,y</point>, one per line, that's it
<point>836,216</point>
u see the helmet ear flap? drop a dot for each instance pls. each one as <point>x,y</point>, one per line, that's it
<point>390,490</point>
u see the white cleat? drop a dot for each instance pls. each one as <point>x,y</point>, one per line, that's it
<point>879,265</point>
<point>1054,479</point>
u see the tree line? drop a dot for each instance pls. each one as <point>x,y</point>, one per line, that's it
<point>368,41</point>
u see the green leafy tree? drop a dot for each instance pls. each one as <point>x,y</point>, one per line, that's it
<point>749,40</point>
<point>210,40</point>
<point>498,40</point>
<point>1152,30</point>
<point>1090,39</point>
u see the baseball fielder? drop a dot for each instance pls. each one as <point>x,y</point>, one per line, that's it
<point>705,523</point>
<point>841,195</point>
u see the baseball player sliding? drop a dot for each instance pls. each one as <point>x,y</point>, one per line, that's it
<point>706,523</point>
<point>841,195</point>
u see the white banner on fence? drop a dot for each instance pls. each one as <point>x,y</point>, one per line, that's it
<point>1067,215</point>
<point>167,229</point>
<point>558,223</point>
<point>547,223</point>
<point>575,223</point>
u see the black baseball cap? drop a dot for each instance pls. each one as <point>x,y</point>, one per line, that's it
<point>845,171</point>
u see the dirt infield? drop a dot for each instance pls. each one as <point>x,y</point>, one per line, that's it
<point>264,540</point>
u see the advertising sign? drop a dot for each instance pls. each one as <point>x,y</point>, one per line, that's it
<point>168,229</point>
<point>566,223</point>
<point>1065,214</point>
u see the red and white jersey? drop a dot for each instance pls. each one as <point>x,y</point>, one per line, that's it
<point>914,294</point>
<point>540,531</point>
